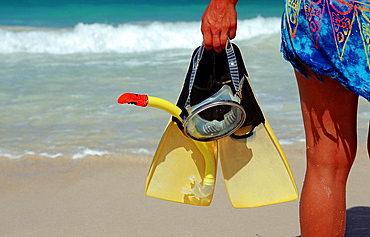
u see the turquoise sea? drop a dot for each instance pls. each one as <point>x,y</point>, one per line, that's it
<point>63,64</point>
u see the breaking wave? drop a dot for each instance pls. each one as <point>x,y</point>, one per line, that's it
<point>125,38</point>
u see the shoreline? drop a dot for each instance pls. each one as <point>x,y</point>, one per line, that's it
<point>104,196</point>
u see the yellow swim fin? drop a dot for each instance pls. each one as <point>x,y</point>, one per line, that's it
<point>255,168</point>
<point>183,170</point>
<point>178,167</point>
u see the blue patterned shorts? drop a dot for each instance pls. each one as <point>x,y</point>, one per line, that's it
<point>332,38</point>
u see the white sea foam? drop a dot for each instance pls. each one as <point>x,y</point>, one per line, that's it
<point>88,152</point>
<point>125,38</point>
<point>140,151</point>
<point>51,155</point>
<point>83,152</point>
<point>11,155</point>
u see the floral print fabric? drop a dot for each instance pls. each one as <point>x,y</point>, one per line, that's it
<point>331,37</point>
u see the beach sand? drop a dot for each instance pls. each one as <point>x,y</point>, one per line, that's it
<point>104,196</point>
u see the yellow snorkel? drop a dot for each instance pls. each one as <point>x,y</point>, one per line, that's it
<point>198,190</point>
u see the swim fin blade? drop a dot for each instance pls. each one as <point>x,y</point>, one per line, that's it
<point>178,169</point>
<point>255,169</point>
<point>183,170</point>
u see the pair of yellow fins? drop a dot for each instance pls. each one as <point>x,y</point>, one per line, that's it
<point>254,166</point>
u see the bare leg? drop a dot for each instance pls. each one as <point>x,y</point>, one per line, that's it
<point>330,119</point>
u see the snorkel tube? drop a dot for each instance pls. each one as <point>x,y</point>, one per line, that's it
<point>198,190</point>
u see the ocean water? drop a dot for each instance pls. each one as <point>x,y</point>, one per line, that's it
<point>63,64</point>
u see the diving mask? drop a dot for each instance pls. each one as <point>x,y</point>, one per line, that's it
<point>216,117</point>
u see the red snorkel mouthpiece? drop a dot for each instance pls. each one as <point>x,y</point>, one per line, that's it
<point>131,98</point>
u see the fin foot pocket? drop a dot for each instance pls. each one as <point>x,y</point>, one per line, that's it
<point>201,191</point>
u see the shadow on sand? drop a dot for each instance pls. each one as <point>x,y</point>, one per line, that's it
<point>358,222</point>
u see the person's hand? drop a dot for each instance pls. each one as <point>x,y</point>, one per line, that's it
<point>219,23</point>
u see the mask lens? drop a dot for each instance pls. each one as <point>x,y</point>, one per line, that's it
<point>214,121</point>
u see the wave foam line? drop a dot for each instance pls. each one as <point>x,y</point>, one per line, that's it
<point>82,153</point>
<point>125,38</point>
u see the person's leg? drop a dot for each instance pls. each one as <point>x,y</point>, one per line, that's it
<point>330,118</point>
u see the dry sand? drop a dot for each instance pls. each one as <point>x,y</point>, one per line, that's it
<point>104,196</point>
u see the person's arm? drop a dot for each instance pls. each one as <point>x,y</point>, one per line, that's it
<point>219,23</point>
